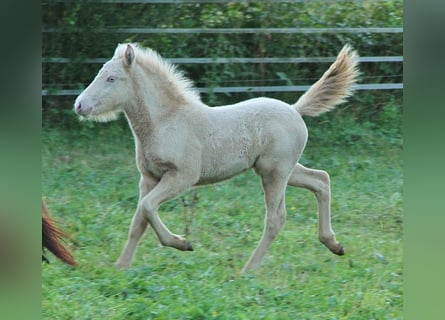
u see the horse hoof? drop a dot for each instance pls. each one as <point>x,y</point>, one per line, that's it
<point>189,246</point>
<point>182,244</point>
<point>340,251</point>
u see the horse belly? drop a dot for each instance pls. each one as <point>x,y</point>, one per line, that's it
<point>243,133</point>
<point>223,168</point>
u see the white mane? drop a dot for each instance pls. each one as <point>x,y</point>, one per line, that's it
<point>151,60</point>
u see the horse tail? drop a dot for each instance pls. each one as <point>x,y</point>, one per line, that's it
<point>333,87</point>
<point>51,239</point>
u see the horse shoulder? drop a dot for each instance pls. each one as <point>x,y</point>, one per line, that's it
<point>172,146</point>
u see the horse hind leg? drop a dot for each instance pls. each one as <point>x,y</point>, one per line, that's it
<point>318,182</point>
<point>274,195</point>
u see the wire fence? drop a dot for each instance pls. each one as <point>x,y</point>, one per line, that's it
<point>233,30</point>
<point>61,89</point>
<point>235,89</point>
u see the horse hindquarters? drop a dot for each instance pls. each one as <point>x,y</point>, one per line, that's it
<point>274,171</point>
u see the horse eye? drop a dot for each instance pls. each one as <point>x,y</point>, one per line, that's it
<point>111,79</point>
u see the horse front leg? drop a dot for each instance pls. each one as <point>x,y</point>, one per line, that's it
<point>138,225</point>
<point>171,185</point>
<point>318,182</point>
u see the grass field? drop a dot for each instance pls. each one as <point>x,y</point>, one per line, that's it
<point>90,185</point>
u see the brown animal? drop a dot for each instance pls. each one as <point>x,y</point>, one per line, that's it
<point>52,237</point>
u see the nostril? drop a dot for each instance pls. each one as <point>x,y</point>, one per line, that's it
<point>82,107</point>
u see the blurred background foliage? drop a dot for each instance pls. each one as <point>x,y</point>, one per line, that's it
<point>78,37</point>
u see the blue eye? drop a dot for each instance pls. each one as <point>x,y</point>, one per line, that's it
<point>111,79</point>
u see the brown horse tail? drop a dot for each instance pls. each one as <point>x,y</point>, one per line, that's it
<point>51,239</point>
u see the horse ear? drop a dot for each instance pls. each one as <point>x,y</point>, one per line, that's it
<point>129,55</point>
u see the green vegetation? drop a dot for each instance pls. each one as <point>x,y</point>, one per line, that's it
<point>78,38</point>
<point>90,185</point>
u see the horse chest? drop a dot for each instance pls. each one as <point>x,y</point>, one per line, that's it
<point>149,164</point>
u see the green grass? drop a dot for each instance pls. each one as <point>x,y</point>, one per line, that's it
<point>90,185</point>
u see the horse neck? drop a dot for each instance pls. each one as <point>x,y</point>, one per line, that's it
<point>147,112</point>
<point>140,120</point>
<point>157,98</point>
<point>155,101</point>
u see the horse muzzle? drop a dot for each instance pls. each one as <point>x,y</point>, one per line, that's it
<point>82,108</point>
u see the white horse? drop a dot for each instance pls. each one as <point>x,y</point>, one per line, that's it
<point>181,142</point>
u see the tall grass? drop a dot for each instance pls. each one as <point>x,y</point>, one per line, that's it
<point>90,186</point>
